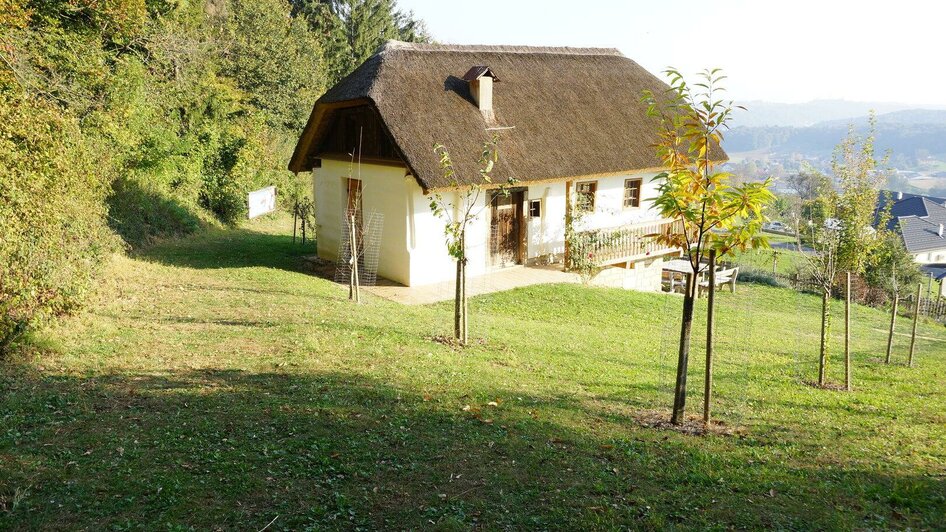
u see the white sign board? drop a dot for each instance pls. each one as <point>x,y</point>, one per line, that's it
<point>262,201</point>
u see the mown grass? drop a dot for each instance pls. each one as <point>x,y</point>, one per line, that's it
<point>216,386</point>
<point>784,262</point>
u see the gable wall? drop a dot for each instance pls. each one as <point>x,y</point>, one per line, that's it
<point>385,190</point>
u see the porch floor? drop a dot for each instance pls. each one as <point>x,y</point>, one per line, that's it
<point>494,281</point>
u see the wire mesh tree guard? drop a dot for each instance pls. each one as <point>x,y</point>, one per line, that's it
<point>361,239</point>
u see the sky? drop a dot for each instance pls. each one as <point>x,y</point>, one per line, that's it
<point>779,51</point>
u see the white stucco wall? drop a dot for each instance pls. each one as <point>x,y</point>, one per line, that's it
<point>385,190</point>
<point>931,257</point>
<point>413,251</point>
<point>546,235</point>
<point>609,202</point>
<point>644,275</point>
<point>429,260</point>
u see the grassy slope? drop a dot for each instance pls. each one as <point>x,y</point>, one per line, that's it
<point>215,386</point>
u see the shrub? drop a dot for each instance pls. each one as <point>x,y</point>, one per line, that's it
<point>759,277</point>
<point>52,215</point>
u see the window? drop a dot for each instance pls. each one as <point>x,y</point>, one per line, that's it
<point>535,208</point>
<point>354,196</point>
<point>632,193</point>
<point>585,195</point>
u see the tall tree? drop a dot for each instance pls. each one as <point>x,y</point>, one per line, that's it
<point>713,213</point>
<point>352,30</point>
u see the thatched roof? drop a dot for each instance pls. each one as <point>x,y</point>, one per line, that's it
<point>559,112</point>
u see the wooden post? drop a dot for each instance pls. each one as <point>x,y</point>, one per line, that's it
<point>916,316</point>
<point>458,303</point>
<point>303,231</point>
<point>708,381</point>
<point>354,290</point>
<point>568,222</point>
<point>775,263</point>
<point>893,324</point>
<point>823,354</point>
<point>295,212</point>
<point>939,300</point>
<point>847,332</point>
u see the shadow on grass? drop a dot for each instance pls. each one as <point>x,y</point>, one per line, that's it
<point>232,449</point>
<point>140,215</point>
<point>231,248</point>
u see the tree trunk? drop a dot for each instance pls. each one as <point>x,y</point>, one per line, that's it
<point>825,324</point>
<point>458,303</point>
<point>847,332</point>
<point>466,309</point>
<point>893,324</point>
<point>295,213</point>
<point>680,390</point>
<point>710,302</point>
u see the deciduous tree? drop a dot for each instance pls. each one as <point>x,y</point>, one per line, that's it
<point>713,213</point>
<point>460,208</point>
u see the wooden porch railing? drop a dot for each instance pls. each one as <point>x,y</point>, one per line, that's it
<point>621,244</point>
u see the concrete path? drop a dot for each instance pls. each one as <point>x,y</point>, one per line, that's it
<point>496,281</point>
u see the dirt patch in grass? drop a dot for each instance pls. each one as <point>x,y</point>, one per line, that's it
<point>692,425</point>
<point>830,386</point>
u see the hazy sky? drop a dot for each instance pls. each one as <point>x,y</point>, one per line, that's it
<point>785,51</point>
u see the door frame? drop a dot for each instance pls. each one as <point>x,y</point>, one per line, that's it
<point>518,197</point>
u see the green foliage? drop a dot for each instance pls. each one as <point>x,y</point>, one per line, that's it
<point>860,176</point>
<point>353,29</point>
<point>714,213</point>
<point>891,267</point>
<point>759,277</point>
<point>171,110</point>
<point>52,215</point>
<point>275,61</point>
<point>580,244</point>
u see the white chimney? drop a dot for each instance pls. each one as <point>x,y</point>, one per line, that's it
<point>940,232</point>
<point>899,195</point>
<point>481,80</point>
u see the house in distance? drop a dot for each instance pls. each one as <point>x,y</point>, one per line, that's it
<point>572,132</point>
<point>921,223</point>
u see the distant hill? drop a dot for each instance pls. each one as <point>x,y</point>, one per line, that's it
<point>760,113</point>
<point>906,117</point>
<point>907,133</point>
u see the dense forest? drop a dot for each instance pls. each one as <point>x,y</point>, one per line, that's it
<point>125,121</point>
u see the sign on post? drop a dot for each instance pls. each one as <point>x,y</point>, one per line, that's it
<point>262,201</point>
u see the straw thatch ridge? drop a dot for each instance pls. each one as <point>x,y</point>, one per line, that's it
<point>559,112</point>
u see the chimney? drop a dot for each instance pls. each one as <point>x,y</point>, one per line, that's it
<point>940,231</point>
<point>481,80</point>
<point>899,195</point>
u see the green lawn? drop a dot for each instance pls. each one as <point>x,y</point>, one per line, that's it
<point>215,386</point>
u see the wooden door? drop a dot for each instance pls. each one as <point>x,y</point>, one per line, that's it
<point>506,229</point>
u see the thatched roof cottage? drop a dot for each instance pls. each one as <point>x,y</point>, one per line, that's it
<point>571,129</point>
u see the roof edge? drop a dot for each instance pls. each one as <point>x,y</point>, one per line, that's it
<point>394,45</point>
